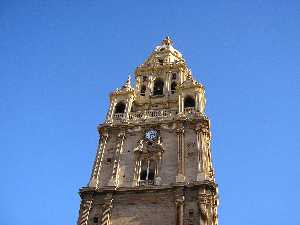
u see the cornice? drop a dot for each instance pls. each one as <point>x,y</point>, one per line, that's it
<point>202,119</point>
<point>146,189</point>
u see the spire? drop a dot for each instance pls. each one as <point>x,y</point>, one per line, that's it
<point>189,74</point>
<point>127,84</point>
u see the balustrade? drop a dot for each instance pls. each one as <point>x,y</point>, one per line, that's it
<point>119,116</point>
<point>189,110</point>
<point>148,114</point>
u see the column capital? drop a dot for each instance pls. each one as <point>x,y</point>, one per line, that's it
<point>179,200</point>
<point>203,130</point>
<point>180,131</point>
<point>121,134</point>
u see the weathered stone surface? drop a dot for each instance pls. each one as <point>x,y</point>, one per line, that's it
<point>153,162</point>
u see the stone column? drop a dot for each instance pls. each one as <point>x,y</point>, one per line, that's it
<point>202,102</point>
<point>180,103</point>
<point>215,208</point>
<point>128,107</point>
<point>150,86</point>
<point>197,102</point>
<point>114,180</point>
<point>138,83</point>
<point>94,180</point>
<point>202,203</point>
<point>111,109</point>
<point>107,210</point>
<point>168,81</point>
<point>181,74</point>
<point>137,170</point>
<point>84,212</point>
<point>204,140</point>
<point>200,173</point>
<point>180,155</point>
<point>179,201</point>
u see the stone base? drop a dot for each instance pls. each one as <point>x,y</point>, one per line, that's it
<point>180,178</point>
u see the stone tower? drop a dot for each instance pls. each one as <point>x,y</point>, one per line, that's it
<point>153,163</point>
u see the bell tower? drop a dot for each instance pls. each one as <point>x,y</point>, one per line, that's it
<point>153,163</point>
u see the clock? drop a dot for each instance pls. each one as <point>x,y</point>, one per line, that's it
<point>151,135</point>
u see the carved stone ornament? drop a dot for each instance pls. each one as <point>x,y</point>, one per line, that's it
<point>203,210</point>
<point>149,149</point>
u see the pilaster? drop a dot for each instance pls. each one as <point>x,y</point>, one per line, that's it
<point>84,212</point>
<point>106,210</point>
<point>94,180</point>
<point>180,155</point>
<point>179,201</point>
<point>114,181</point>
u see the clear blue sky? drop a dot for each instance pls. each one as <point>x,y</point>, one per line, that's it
<point>60,60</point>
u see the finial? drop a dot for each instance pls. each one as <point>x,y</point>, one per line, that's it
<point>167,41</point>
<point>189,74</point>
<point>128,82</point>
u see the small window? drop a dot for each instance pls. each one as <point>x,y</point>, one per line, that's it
<point>173,87</point>
<point>120,108</point>
<point>144,170</point>
<point>95,219</point>
<point>144,78</point>
<point>191,213</point>
<point>158,88</point>
<point>161,62</point>
<point>174,76</point>
<point>147,170</point>
<point>143,90</point>
<point>151,172</point>
<point>189,102</point>
<point>108,160</point>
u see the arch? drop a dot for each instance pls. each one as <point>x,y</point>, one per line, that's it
<point>143,90</point>
<point>120,107</point>
<point>173,87</point>
<point>158,88</point>
<point>189,102</point>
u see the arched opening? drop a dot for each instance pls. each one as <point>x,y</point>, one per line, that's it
<point>158,88</point>
<point>173,87</point>
<point>120,107</point>
<point>143,90</point>
<point>189,102</point>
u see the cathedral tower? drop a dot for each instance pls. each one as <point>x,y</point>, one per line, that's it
<point>153,164</point>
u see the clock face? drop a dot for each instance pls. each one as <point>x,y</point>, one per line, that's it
<point>151,135</point>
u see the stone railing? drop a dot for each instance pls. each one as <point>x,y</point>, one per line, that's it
<point>119,116</point>
<point>189,110</point>
<point>159,114</point>
<point>136,115</point>
<point>152,114</point>
<point>147,114</point>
